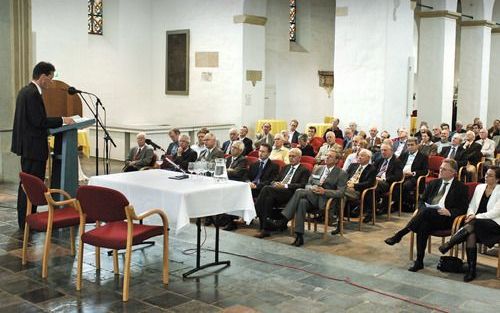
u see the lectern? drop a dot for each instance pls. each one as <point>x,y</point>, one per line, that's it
<point>65,159</point>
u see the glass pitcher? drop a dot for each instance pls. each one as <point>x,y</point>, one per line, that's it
<point>220,169</point>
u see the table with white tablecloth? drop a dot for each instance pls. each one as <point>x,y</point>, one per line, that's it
<point>197,196</point>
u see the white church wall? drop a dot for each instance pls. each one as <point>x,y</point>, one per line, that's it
<point>293,76</point>
<point>373,44</point>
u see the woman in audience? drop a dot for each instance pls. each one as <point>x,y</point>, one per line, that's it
<point>427,147</point>
<point>482,223</point>
<point>495,129</point>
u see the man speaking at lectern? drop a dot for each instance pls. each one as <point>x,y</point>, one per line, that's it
<point>30,130</point>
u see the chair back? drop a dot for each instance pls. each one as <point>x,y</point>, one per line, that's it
<point>153,160</point>
<point>251,160</point>
<point>340,163</point>
<point>254,153</point>
<point>339,141</point>
<point>280,164</point>
<point>471,187</point>
<point>434,164</point>
<point>34,187</point>
<point>102,204</point>
<point>316,143</point>
<point>307,159</point>
<point>309,166</point>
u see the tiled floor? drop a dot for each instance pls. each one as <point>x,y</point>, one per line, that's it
<point>354,273</point>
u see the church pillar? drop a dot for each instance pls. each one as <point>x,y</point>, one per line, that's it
<point>475,41</point>
<point>436,65</point>
<point>494,90</point>
<point>15,65</point>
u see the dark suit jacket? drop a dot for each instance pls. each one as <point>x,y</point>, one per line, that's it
<point>396,145</point>
<point>473,153</point>
<point>334,183</point>
<point>183,160</point>
<point>299,179</point>
<point>211,156</point>
<point>307,150</point>
<point>420,164</point>
<point>144,158</point>
<point>460,155</point>
<point>367,178</point>
<point>29,133</point>
<point>394,169</point>
<point>338,133</point>
<point>269,173</point>
<point>238,170</point>
<point>456,200</point>
<point>248,145</point>
<point>295,137</point>
<point>171,147</point>
<point>376,146</point>
<point>225,145</point>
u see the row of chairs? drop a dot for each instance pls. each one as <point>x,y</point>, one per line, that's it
<point>92,205</point>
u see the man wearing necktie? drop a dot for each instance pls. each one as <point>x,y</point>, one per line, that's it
<point>212,152</point>
<point>443,200</point>
<point>327,181</point>
<point>415,164</point>
<point>139,156</point>
<point>262,172</point>
<point>292,177</point>
<point>455,151</point>
<point>236,164</point>
<point>233,137</point>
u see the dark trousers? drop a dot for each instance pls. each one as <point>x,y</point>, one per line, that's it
<point>424,223</point>
<point>408,187</point>
<point>270,198</point>
<point>33,167</point>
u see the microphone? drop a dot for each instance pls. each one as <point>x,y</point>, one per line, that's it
<point>74,91</point>
<point>154,145</point>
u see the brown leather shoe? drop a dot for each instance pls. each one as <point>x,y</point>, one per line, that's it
<point>262,234</point>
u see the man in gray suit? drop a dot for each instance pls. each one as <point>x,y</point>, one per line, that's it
<point>212,152</point>
<point>326,181</point>
<point>139,156</point>
<point>265,136</point>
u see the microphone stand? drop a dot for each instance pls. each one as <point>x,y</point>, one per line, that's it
<point>107,136</point>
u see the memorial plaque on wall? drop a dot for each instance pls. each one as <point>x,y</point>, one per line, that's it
<point>177,62</point>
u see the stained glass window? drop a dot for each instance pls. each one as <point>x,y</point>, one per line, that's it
<point>95,17</point>
<point>293,13</point>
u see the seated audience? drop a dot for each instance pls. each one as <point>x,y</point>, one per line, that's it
<point>348,135</point>
<point>495,129</point>
<point>305,147</point>
<point>262,172</point>
<point>472,154</point>
<point>293,134</point>
<point>292,177</point>
<point>212,152</point>
<point>279,151</point>
<point>487,146</point>
<point>459,129</point>
<point>423,128</point>
<point>139,156</point>
<point>326,181</point>
<point>415,164</point>
<point>399,145</point>
<point>427,147</point>
<point>335,129</point>
<point>174,136</point>
<point>352,154</point>
<point>443,200</point>
<point>184,154</point>
<point>373,140</point>
<point>328,145</point>
<point>265,136</point>
<point>455,151</point>
<point>385,135</point>
<point>436,134</point>
<point>246,141</point>
<point>476,127</point>
<point>482,224</point>
<point>286,139</point>
<point>236,164</point>
<point>443,141</point>
<point>199,146</point>
<point>311,132</point>
<point>233,137</point>
<point>354,128</point>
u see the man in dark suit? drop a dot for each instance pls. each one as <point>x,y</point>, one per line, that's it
<point>443,200</point>
<point>455,151</point>
<point>472,154</point>
<point>399,145</point>
<point>212,152</point>
<point>305,147</point>
<point>265,136</point>
<point>293,134</point>
<point>389,170</point>
<point>184,154</point>
<point>415,164</point>
<point>174,136</point>
<point>373,140</point>
<point>246,141</point>
<point>29,133</point>
<point>335,129</point>
<point>327,181</point>
<point>233,137</point>
<point>236,164</point>
<point>292,177</point>
<point>139,156</point>
<point>361,175</point>
<point>262,172</point>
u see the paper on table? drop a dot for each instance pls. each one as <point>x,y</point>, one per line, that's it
<point>432,206</point>
<point>79,119</point>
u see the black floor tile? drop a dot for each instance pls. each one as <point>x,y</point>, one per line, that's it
<point>23,307</point>
<point>41,295</point>
<point>18,285</point>
<point>167,300</point>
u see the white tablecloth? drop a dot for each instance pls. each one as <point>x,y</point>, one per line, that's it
<point>181,199</point>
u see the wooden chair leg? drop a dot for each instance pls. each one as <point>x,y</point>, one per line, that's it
<point>412,240</point>
<point>25,242</point>
<point>389,207</point>
<point>361,211</point>
<point>165,259</point>
<point>115,262</point>
<point>72,239</point>
<point>46,250</point>
<point>97,258</point>
<point>400,199</point>
<point>79,266</point>
<point>126,271</point>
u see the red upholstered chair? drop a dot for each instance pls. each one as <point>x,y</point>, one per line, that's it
<point>38,194</point>
<point>251,160</point>
<point>308,159</point>
<point>280,164</point>
<point>316,143</point>
<point>309,166</point>
<point>109,206</point>
<point>339,141</point>
<point>254,153</point>
<point>434,164</point>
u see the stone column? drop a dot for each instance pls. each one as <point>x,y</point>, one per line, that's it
<point>436,65</point>
<point>15,65</point>
<point>494,90</point>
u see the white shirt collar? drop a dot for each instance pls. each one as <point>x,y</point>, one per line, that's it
<point>37,87</point>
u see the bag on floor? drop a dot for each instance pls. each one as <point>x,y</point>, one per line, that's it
<point>450,264</point>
